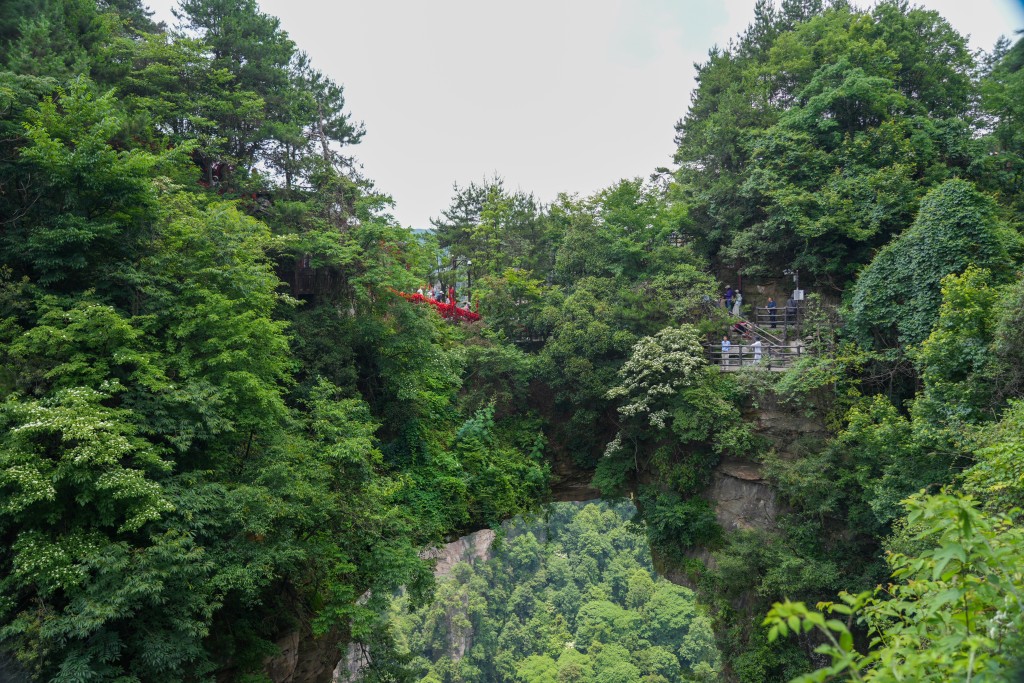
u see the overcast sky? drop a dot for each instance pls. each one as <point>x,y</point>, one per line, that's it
<point>553,95</point>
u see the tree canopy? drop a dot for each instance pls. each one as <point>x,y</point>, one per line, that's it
<point>227,436</point>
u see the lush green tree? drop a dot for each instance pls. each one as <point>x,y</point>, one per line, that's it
<point>582,357</point>
<point>997,164</point>
<point>537,669</point>
<point>810,140</point>
<point>622,231</point>
<point>1008,342</point>
<point>214,393</point>
<point>173,92</point>
<point>995,478</point>
<point>676,418</point>
<point>628,623</point>
<point>60,39</point>
<point>521,306</point>
<point>493,229</point>
<point>252,47</point>
<point>89,210</point>
<point>951,612</point>
<point>896,299</point>
<point>956,358</point>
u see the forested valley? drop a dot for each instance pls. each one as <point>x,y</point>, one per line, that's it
<point>571,596</point>
<point>230,433</point>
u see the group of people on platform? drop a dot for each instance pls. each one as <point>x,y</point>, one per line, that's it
<point>734,304</point>
<point>750,343</point>
<point>441,295</point>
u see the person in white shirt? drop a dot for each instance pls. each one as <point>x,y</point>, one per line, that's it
<point>757,350</point>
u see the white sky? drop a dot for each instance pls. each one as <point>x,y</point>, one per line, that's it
<point>553,95</point>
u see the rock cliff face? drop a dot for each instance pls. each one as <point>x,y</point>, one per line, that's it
<point>305,657</point>
<point>790,431</point>
<point>476,547</point>
<point>742,499</point>
<point>356,659</point>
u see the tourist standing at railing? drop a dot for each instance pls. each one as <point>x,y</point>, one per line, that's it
<point>772,306</point>
<point>790,311</point>
<point>726,347</point>
<point>728,297</point>
<point>738,306</point>
<point>757,350</point>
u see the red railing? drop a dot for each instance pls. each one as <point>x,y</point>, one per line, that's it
<point>447,311</point>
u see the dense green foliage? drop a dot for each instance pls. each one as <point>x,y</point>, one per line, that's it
<point>811,140</point>
<point>896,298</point>
<point>194,462</point>
<point>570,597</point>
<point>955,557</point>
<point>954,611</point>
<point>222,428</point>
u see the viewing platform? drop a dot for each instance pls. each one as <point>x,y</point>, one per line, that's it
<point>778,331</point>
<point>772,357</point>
<point>447,310</point>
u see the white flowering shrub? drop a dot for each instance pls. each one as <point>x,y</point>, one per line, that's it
<point>658,367</point>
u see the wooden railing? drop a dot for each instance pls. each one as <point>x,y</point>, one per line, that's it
<point>779,320</point>
<point>766,356</point>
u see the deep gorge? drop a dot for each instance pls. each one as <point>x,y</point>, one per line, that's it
<point>241,401</point>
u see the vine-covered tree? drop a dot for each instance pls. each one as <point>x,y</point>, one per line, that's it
<point>895,301</point>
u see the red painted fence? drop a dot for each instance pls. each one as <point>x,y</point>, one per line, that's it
<point>447,311</point>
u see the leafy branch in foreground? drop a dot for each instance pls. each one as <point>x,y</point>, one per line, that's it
<point>952,613</point>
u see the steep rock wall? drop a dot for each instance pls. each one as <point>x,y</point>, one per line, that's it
<point>305,657</point>
<point>476,547</point>
<point>741,497</point>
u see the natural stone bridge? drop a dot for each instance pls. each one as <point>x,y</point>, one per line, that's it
<point>742,499</point>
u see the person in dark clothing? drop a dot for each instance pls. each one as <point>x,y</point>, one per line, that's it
<point>772,306</point>
<point>790,311</point>
<point>728,298</point>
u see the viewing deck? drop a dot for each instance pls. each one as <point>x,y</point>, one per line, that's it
<point>777,329</point>
<point>448,311</point>
<point>773,357</point>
